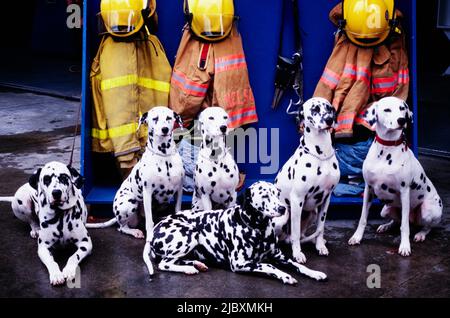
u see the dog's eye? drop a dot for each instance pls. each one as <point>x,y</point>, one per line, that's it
<point>155,119</point>
<point>169,118</point>
<point>387,110</point>
<point>316,109</point>
<point>47,180</point>
<point>64,179</point>
<point>211,118</point>
<point>225,117</point>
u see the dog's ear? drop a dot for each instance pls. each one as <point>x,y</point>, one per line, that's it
<point>370,116</point>
<point>178,120</point>
<point>301,115</point>
<point>34,179</point>
<point>77,178</point>
<point>142,120</point>
<point>245,198</point>
<point>409,114</point>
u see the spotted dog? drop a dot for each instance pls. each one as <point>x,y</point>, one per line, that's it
<point>394,175</point>
<point>155,179</point>
<point>308,178</point>
<point>238,238</point>
<point>216,174</point>
<point>53,204</point>
<point>24,206</point>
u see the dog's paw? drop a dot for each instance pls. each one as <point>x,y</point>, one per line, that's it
<point>355,239</point>
<point>200,266</point>
<point>419,237</point>
<point>56,278</point>
<point>34,234</point>
<point>69,272</point>
<point>191,271</point>
<point>318,275</point>
<point>299,257</point>
<point>404,249</point>
<point>383,228</point>
<point>288,279</point>
<point>322,249</point>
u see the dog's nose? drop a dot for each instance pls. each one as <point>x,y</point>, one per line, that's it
<point>281,209</point>
<point>57,194</point>
<point>329,121</point>
<point>401,121</point>
<point>223,129</point>
<point>165,130</point>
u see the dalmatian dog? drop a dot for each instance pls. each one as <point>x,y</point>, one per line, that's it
<point>216,173</point>
<point>155,179</point>
<point>308,178</point>
<point>24,205</point>
<point>53,205</point>
<point>394,175</point>
<point>238,238</point>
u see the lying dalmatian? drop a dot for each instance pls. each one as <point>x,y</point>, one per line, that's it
<point>238,238</point>
<point>395,176</point>
<point>156,178</point>
<point>54,207</point>
<point>216,174</point>
<point>308,178</point>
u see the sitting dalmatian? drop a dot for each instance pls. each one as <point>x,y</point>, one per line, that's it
<point>54,207</point>
<point>216,174</point>
<point>394,175</point>
<point>155,179</point>
<point>308,178</point>
<point>238,238</point>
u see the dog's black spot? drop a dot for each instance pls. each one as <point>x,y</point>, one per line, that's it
<point>384,187</point>
<point>318,150</point>
<point>84,249</point>
<point>19,201</point>
<point>403,183</point>
<point>428,188</point>
<point>420,197</point>
<point>213,183</point>
<point>304,178</point>
<point>388,157</point>
<point>318,171</point>
<point>308,165</point>
<point>391,190</point>
<point>318,197</point>
<point>335,165</point>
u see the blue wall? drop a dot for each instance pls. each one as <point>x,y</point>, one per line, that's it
<point>259,24</point>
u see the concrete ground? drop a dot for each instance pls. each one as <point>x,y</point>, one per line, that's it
<point>36,129</point>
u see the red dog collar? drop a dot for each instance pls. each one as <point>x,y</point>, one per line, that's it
<point>389,142</point>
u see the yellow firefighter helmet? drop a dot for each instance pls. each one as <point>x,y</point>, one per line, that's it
<point>211,20</point>
<point>123,18</point>
<point>368,22</point>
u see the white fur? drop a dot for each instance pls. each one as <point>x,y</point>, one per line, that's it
<point>394,174</point>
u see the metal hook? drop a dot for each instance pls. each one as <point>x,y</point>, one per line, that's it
<point>297,104</point>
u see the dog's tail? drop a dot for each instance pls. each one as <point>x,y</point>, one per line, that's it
<point>6,199</point>
<point>101,225</point>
